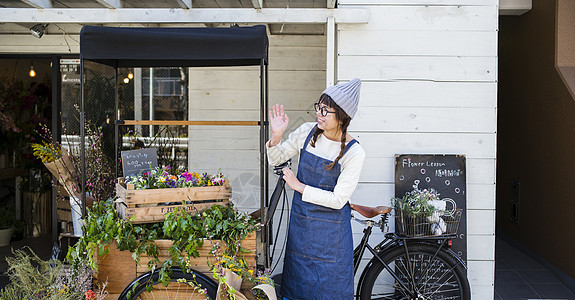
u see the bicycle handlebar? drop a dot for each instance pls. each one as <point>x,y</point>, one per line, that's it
<point>275,199</point>
<point>278,168</point>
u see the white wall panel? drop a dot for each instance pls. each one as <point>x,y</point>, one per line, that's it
<point>481,273</point>
<point>481,247</point>
<point>430,43</point>
<point>428,17</point>
<point>428,94</point>
<point>481,222</point>
<point>246,80</point>
<point>386,144</point>
<point>426,68</point>
<point>424,119</point>
<point>249,99</point>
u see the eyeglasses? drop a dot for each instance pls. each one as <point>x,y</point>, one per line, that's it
<point>323,109</point>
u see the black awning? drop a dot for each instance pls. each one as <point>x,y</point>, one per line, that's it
<point>174,47</point>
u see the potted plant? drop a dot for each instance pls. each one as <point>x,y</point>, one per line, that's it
<point>7,220</point>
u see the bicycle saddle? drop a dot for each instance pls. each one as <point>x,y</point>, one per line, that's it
<point>370,212</point>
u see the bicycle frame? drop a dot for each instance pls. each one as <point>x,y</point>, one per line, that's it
<point>392,241</point>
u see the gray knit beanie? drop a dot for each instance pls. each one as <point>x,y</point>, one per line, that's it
<point>346,95</point>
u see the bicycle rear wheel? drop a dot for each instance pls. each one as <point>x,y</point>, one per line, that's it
<point>425,277</point>
<point>182,286</point>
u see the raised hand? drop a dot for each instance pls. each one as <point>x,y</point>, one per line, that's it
<point>278,122</point>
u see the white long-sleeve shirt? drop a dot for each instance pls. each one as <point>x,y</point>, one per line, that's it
<point>351,163</point>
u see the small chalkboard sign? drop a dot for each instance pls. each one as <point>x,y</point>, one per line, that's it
<point>134,161</point>
<point>444,173</point>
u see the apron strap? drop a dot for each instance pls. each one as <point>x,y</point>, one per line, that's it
<point>349,145</point>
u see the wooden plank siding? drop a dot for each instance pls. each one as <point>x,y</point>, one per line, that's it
<point>429,71</point>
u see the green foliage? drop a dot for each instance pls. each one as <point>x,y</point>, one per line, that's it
<point>187,231</point>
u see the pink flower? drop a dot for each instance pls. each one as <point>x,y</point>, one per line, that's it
<point>90,295</point>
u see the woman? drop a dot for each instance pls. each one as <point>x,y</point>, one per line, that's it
<point>318,261</point>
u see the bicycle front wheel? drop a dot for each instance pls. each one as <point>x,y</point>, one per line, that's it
<point>424,275</point>
<point>183,286</point>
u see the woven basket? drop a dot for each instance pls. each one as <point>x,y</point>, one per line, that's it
<point>410,225</point>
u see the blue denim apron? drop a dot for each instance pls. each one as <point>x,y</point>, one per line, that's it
<point>318,261</point>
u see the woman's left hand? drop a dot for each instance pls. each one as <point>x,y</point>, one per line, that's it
<point>292,181</point>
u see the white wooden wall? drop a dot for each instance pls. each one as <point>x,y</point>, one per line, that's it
<point>429,71</point>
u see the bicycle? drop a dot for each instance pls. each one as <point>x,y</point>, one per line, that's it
<point>405,267</point>
<point>401,268</point>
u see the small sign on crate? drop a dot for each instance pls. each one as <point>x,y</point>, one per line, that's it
<point>136,161</point>
<point>150,205</point>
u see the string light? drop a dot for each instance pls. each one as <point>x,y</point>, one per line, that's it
<point>131,75</point>
<point>32,72</point>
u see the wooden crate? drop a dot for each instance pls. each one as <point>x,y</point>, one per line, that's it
<point>149,206</point>
<point>119,269</point>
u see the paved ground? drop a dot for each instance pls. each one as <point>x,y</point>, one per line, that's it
<point>519,276</point>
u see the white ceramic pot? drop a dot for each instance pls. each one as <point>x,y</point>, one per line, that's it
<point>6,236</point>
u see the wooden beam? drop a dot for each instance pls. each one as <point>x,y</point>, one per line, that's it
<point>170,15</point>
<point>39,3</point>
<point>330,55</point>
<point>203,123</point>
<point>258,4</point>
<point>187,4</point>
<point>111,3</point>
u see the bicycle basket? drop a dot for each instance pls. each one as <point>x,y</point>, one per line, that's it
<point>413,225</point>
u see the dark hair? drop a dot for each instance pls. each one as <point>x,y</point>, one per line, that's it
<point>340,116</point>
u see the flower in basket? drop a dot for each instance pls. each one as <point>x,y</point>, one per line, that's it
<point>424,203</point>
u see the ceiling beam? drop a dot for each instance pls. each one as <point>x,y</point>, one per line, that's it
<point>331,3</point>
<point>185,3</point>
<point>111,3</point>
<point>39,3</point>
<point>171,15</point>
<point>258,4</point>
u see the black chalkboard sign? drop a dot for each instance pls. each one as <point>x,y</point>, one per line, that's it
<point>134,161</point>
<point>444,173</point>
